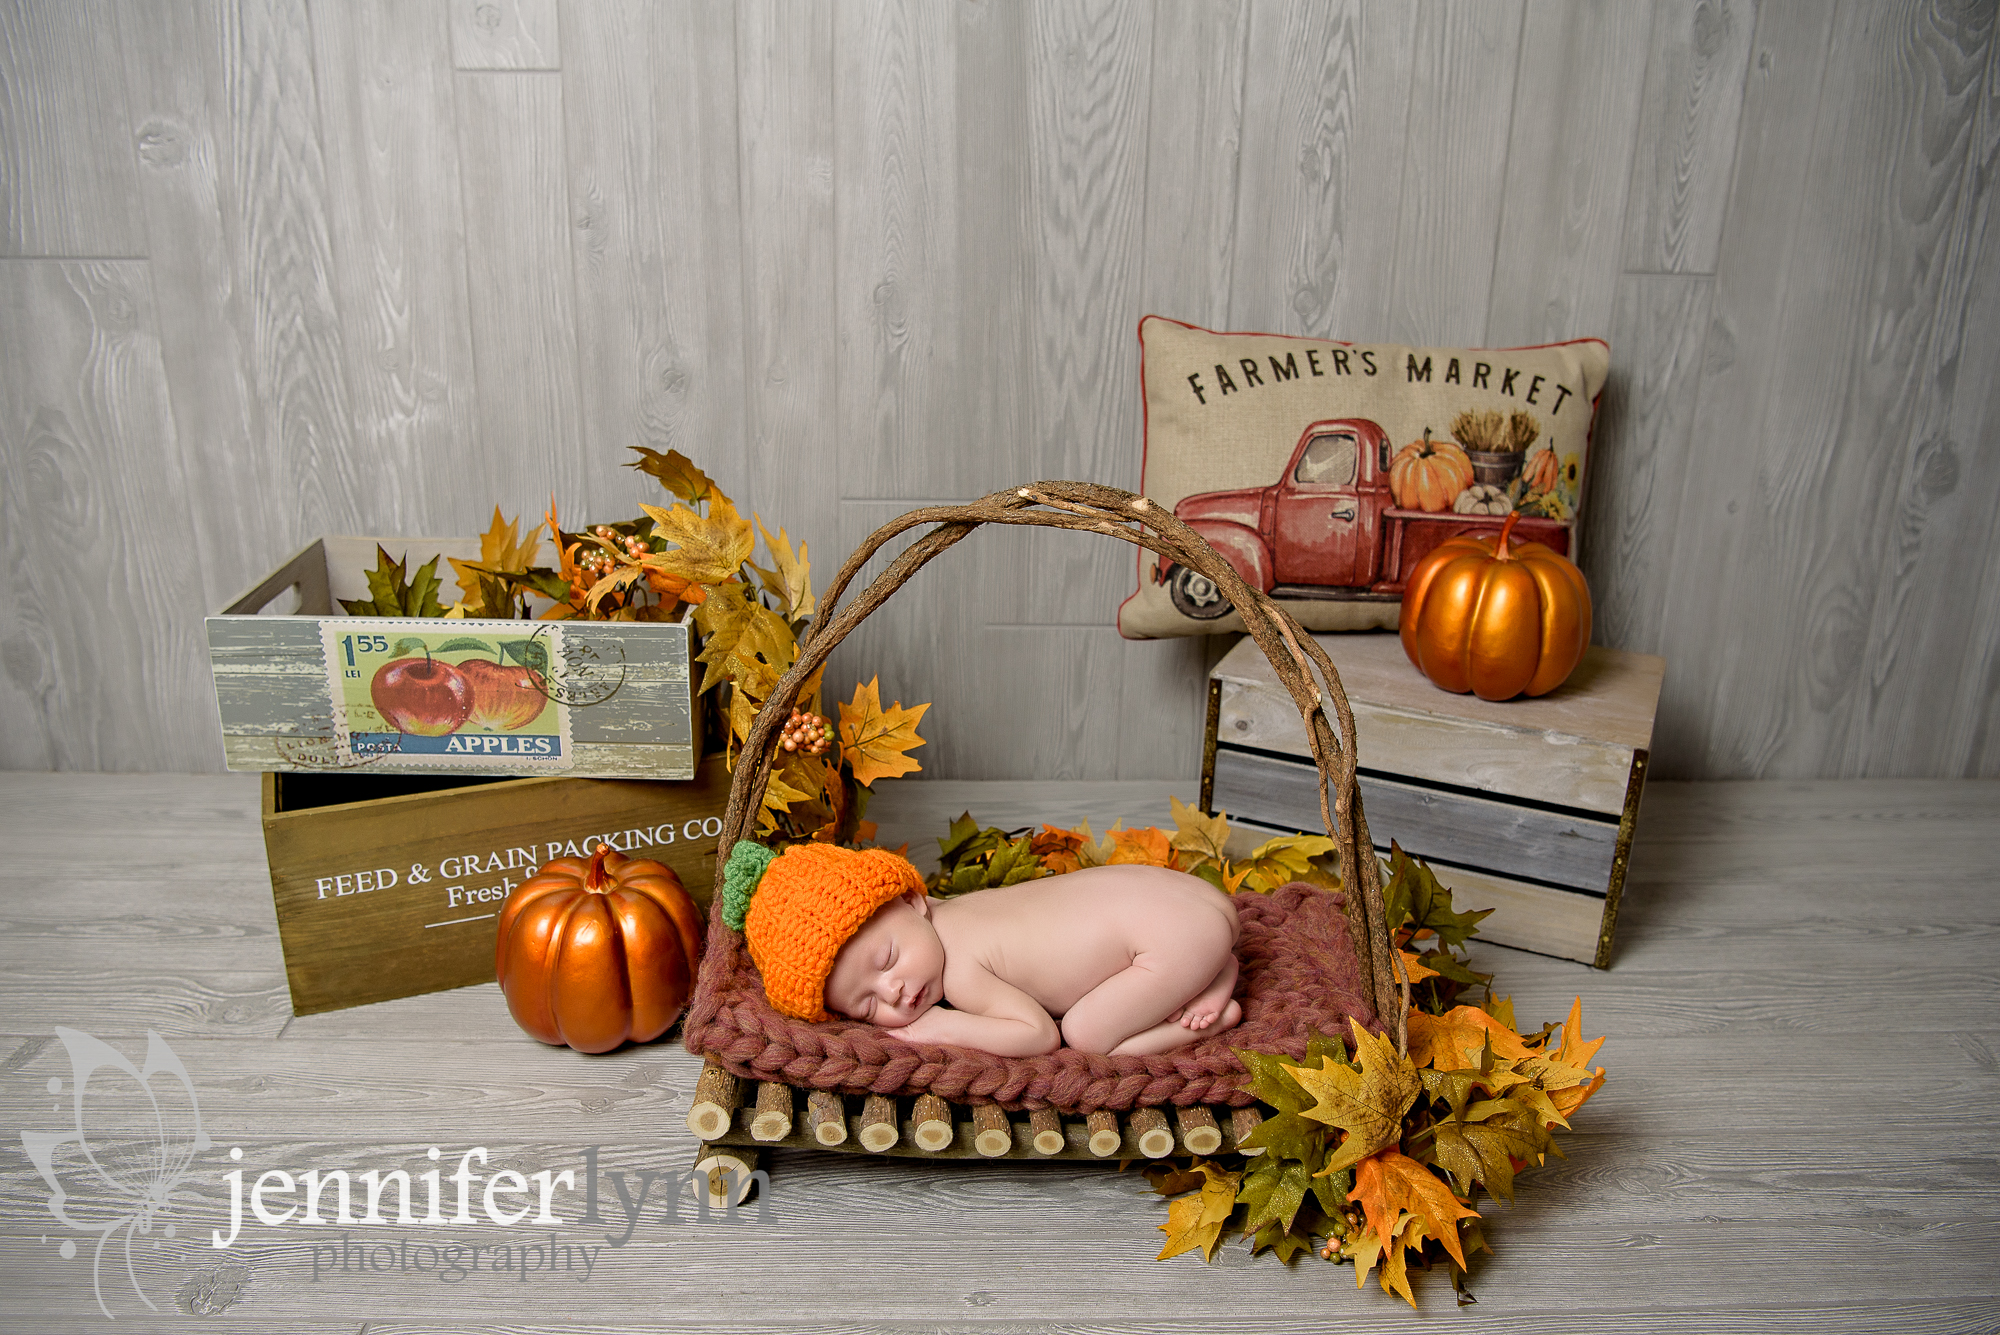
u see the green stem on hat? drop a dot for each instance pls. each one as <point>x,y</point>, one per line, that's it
<point>745,868</point>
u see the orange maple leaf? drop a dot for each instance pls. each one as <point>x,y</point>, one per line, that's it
<point>1057,849</point>
<point>1452,1041</point>
<point>1145,847</point>
<point>874,740</point>
<point>1390,1182</point>
<point>1418,970</point>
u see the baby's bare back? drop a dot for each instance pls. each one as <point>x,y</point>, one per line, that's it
<point>1059,937</point>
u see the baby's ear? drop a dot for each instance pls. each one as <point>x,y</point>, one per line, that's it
<point>919,901</point>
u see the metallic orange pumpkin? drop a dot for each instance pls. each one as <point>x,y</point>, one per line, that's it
<point>594,953</point>
<point>1480,616</point>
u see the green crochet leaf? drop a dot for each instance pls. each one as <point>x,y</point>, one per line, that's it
<point>747,860</point>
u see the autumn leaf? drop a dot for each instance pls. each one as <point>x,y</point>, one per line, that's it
<point>1282,860</point>
<point>1390,1182</point>
<point>874,740</point>
<point>1273,1190</point>
<point>1369,1103</point>
<point>1480,1152</point>
<point>502,551</point>
<point>708,549</point>
<point>1452,1041</point>
<point>789,784</point>
<point>791,582</point>
<point>747,644</point>
<point>1197,1220</point>
<point>392,594</point>
<point>1147,847</point>
<point>1200,838</point>
<point>1417,969</point>
<point>1058,849</point>
<point>678,474</point>
<point>1413,895</point>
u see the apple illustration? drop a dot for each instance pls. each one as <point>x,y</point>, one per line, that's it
<point>505,696</point>
<point>425,697</point>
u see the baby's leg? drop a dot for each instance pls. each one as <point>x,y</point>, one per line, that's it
<point>1134,1012</point>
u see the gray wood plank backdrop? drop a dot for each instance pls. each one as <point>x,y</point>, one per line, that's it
<point>276,268</point>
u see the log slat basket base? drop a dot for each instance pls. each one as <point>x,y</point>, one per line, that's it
<point>1144,1133</point>
<point>912,1120</point>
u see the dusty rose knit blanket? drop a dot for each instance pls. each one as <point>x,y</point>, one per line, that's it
<point>1299,975</point>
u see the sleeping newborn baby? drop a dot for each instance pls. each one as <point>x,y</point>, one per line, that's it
<point>1132,960</point>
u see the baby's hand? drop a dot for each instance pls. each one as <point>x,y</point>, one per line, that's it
<point>923,1029</point>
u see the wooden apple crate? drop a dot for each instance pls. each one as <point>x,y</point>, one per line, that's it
<point>1523,806</point>
<point>628,687</point>
<point>389,885</point>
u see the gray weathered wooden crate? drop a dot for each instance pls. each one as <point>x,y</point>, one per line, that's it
<point>1523,806</point>
<point>635,718</point>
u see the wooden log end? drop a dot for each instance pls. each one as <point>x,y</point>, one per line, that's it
<point>719,1167</point>
<point>1105,1138</point>
<point>827,1116</point>
<point>932,1129</point>
<point>992,1135</point>
<point>1045,1124</point>
<point>715,1097</point>
<point>1199,1133</point>
<point>773,1118</point>
<point>1156,1140</point>
<point>878,1124</point>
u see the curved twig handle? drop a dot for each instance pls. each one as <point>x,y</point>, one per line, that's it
<point>1296,657</point>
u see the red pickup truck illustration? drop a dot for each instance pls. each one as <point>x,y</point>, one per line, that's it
<point>1329,527</point>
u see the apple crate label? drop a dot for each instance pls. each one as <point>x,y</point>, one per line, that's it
<point>435,694</point>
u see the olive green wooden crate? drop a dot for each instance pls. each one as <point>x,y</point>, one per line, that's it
<point>621,695</point>
<point>1523,806</point>
<point>389,885</point>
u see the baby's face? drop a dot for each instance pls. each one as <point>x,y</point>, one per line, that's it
<point>892,970</point>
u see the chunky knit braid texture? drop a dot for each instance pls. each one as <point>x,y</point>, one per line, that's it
<point>1299,976</point>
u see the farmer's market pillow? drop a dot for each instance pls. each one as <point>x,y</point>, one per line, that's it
<point>1324,471</point>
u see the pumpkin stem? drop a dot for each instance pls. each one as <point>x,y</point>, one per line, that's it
<point>594,876</point>
<point>1506,529</point>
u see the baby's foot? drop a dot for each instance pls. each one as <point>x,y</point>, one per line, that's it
<point>1212,1003</point>
<point>1191,1018</point>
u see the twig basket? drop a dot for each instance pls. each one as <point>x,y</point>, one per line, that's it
<point>1294,656</point>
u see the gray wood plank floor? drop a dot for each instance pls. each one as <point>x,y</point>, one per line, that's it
<point>1797,1133</point>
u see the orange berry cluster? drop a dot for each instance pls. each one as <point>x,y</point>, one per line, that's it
<point>806,732</point>
<point>594,563</point>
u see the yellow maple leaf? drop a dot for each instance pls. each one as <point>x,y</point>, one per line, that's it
<point>1368,1104</point>
<point>1197,1220</point>
<point>678,474</point>
<point>1453,1041</point>
<point>500,548</point>
<point>1389,1182</point>
<point>1201,838</point>
<point>790,783</point>
<point>708,549</point>
<point>791,582</point>
<point>874,740</point>
<point>1285,859</point>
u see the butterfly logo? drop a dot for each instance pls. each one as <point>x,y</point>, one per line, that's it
<point>134,1153</point>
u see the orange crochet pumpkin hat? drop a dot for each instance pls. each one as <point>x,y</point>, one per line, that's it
<point>796,909</point>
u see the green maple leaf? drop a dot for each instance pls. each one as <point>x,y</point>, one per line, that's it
<point>1414,896</point>
<point>1288,1135</point>
<point>1274,1192</point>
<point>392,594</point>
